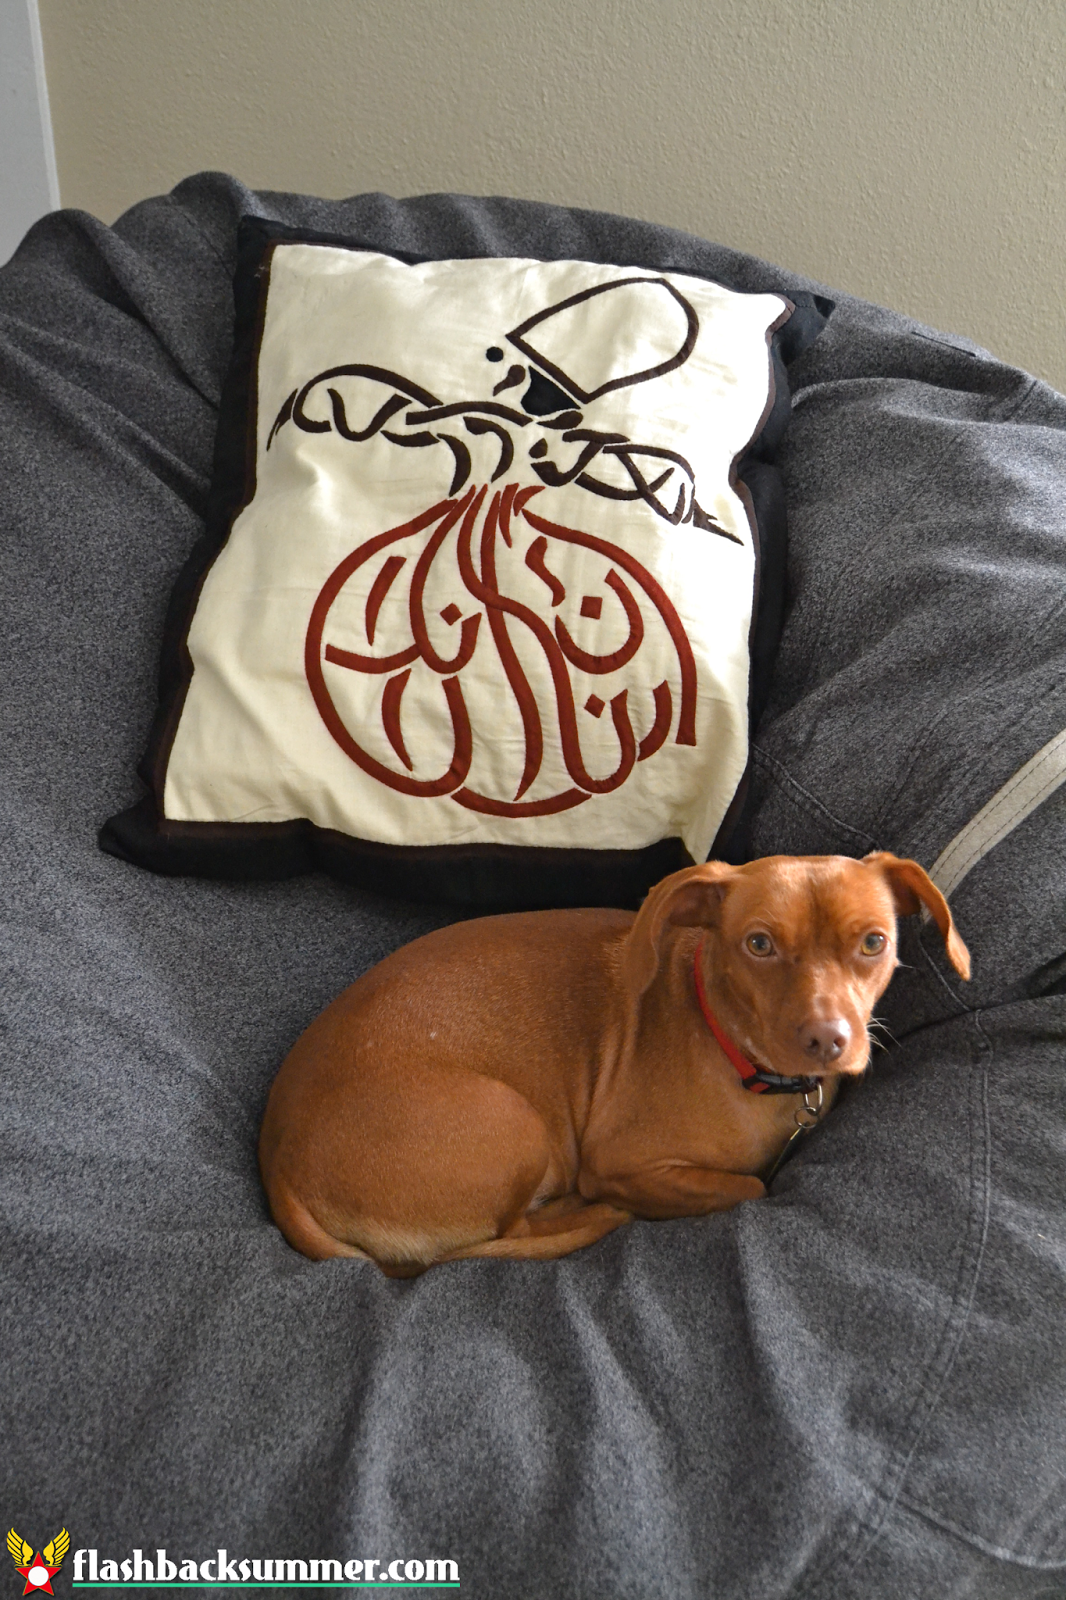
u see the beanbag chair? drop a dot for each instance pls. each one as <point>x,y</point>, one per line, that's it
<point>852,1390</point>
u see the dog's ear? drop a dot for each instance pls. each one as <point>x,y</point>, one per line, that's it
<point>913,888</point>
<point>688,898</point>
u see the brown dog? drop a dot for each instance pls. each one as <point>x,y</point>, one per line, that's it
<point>520,1085</point>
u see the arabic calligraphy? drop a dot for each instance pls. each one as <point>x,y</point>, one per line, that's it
<point>464,535</point>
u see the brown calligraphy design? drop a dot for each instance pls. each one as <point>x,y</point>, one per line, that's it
<point>475,554</point>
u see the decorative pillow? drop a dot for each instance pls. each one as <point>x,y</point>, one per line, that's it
<point>473,615</point>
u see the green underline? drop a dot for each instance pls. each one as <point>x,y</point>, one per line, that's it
<point>281,1583</point>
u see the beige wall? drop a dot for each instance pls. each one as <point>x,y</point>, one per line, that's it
<point>912,151</point>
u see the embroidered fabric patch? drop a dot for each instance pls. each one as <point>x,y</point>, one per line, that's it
<point>493,580</point>
<point>485,577</point>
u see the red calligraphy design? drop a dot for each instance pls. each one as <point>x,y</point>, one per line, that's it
<point>457,550</point>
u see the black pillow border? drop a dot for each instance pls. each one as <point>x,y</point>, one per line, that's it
<point>475,877</point>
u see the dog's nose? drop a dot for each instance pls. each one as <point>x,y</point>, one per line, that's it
<point>827,1040</point>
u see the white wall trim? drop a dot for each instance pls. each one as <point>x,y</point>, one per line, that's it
<point>29,182</point>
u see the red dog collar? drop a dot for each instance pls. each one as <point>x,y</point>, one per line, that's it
<point>757,1079</point>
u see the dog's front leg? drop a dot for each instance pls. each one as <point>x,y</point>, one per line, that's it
<point>674,1189</point>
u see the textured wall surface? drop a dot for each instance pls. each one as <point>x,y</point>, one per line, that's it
<point>912,151</point>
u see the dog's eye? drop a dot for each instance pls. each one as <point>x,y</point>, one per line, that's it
<point>873,944</point>
<point>760,944</point>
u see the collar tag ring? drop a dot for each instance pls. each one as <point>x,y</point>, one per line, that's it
<point>811,1109</point>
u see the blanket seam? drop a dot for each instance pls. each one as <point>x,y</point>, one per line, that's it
<point>191,222</point>
<point>1001,1553</point>
<point>805,799</point>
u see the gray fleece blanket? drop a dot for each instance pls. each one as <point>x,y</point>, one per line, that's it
<point>854,1390</point>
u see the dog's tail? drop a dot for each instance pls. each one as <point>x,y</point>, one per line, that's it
<point>304,1233</point>
<point>555,1237</point>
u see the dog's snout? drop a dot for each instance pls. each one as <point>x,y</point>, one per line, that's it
<point>826,1040</point>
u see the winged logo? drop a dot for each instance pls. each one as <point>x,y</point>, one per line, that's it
<point>55,1551</point>
<point>38,1568</point>
<point>18,1548</point>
